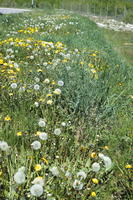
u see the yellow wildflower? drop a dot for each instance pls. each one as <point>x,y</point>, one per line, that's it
<point>38,133</point>
<point>93,194</point>
<point>38,167</point>
<point>49,95</point>
<point>106,147</point>
<point>44,160</point>
<point>95,180</point>
<point>93,155</point>
<point>19,133</point>
<point>1,61</point>
<point>7,118</point>
<point>128,166</point>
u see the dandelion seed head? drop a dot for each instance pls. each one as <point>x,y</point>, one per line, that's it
<point>57,131</point>
<point>43,136</point>
<point>36,145</point>
<point>36,190</point>
<point>95,167</point>
<point>14,85</point>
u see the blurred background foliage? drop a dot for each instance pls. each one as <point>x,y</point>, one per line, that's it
<point>121,9</point>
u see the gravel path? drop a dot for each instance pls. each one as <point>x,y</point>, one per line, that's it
<point>12,10</point>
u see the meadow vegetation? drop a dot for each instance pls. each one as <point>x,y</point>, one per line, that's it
<point>65,110</point>
<point>120,9</point>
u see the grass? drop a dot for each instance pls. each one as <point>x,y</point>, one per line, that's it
<point>64,87</point>
<point>122,42</point>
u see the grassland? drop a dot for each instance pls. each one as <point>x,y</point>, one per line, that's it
<point>122,42</point>
<point>66,110</point>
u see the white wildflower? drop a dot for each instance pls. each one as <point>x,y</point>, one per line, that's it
<point>57,91</point>
<point>14,85</point>
<point>42,123</point>
<point>95,167</point>
<point>63,124</point>
<point>55,171</point>
<point>36,145</point>
<point>60,83</point>
<point>46,80</point>
<point>77,185</point>
<point>107,161</point>
<point>19,177</point>
<point>31,57</point>
<point>43,136</point>
<point>36,87</point>
<point>36,104</point>
<point>4,146</point>
<point>36,190</point>
<point>57,131</point>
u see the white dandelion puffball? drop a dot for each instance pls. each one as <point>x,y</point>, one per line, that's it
<point>107,161</point>
<point>36,190</point>
<point>19,177</point>
<point>43,136</point>
<point>82,174</point>
<point>14,85</point>
<point>77,185</point>
<point>46,80</point>
<point>42,123</point>
<point>55,171</point>
<point>57,131</point>
<point>63,124</point>
<point>36,87</point>
<point>36,145</point>
<point>95,167</point>
<point>36,104</point>
<point>38,180</point>
<point>31,57</point>
<point>60,83</point>
<point>57,91</point>
<point>4,146</point>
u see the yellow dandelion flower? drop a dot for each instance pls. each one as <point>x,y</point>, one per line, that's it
<point>128,166</point>
<point>7,118</point>
<point>93,194</point>
<point>49,95</point>
<point>93,71</point>
<point>106,147</point>
<point>93,54</point>
<point>93,155</point>
<point>1,61</point>
<point>53,82</point>
<point>37,133</point>
<point>38,167</point>
<point>44,160</point>
<point>95,180</point>
<point>19,133</point>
